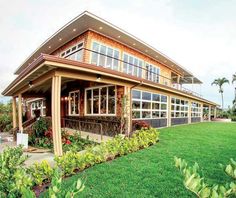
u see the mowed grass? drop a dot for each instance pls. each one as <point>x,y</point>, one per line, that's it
<point>151,172</point>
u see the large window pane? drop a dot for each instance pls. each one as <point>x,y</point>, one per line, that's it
<point>89,101</point>
<point>115,61</point>
<point>95,48</point>
<point>111,100</point>
<point>103,101</point>
<point>130,68</point>
<point>109,57</point>
<point>136,94</point>
<point>96,101</point>
<point>146,96</point>
<point>125,64</point>
<point>102,55</point>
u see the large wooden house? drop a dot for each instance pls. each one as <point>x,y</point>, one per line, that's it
<point>95,74</point>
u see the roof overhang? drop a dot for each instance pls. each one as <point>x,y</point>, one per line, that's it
<point>45,65</point>
<point>88,21</point>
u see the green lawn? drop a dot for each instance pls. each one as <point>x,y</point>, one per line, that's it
<point>151,172</point>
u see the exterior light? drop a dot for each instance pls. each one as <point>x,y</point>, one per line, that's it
<point>134,44</point>
<point>74,29</point>
<point>100,28</point>
<point>165,61</point>
<point>118,36</point>
<point>146,50</point>
<point>49,47</point>
<point>156,56</point>
<point>60,39</point>
<point>99,77</point>
<point>30,84</point>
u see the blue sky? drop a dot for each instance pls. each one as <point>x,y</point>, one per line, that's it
<point>198,34</point>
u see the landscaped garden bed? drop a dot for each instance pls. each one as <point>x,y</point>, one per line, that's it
<point>18,180</point>
<point>40,136</point>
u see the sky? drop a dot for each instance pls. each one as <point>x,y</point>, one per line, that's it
<point>197,34</point>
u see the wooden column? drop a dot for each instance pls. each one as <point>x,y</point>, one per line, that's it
<point>129,110</point>
<point>214,112</point>
<point>14,112</point>
<point>189,111</point>
<point>201,112</point>
<point>20,112</point>
<point>169,111</point>
<point>56,114</point>
<point>209,114</point>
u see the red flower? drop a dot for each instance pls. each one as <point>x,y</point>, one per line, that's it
<point>68,142</point>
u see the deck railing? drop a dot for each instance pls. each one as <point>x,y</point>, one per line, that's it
<point>134,70</point>
<point>85,126</point>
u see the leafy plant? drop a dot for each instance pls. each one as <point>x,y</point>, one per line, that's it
<point>230,169</point>
<point>13,175</point>
<point>55,190</point>
<point>71,161</point>
<point>41,172</point>
<point>40,127</point>
<point>195,183</point>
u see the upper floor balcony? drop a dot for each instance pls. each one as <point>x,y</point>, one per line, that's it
<point>131,65</point>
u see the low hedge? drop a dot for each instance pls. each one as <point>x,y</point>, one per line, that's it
<point>72,162</point>
<point>15,177</point>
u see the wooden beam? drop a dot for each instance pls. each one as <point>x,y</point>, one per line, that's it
<point>37,82</point>
<point>56,114</point>
<point>14,112</point>
<point>20,112</point>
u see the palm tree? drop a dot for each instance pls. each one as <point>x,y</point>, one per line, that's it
<point>234,80</point>
<point>220,82</point>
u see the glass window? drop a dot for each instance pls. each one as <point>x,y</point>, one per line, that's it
<point>101,100</point>
<point>146,96</point>
<point>75,53</point>
<point>74,103</point>
<point>94,59</point>
<point>106,56</point>
<point>102,56</point>
<point>39,104</point>
<point>132,65</point>
<point>179,108</point>
<point>136,94</point>
<point>89,101</point>
<point>148,106</point>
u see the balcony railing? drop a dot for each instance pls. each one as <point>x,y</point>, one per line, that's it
<point>150,74</point>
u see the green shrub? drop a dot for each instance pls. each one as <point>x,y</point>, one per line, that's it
<point>5,122</point>
<point>194,182</point>
<point>71,161</point>
<point>13,175</point>
<point>233,118</point>
<point>40,127</point>
<point>41,172</point>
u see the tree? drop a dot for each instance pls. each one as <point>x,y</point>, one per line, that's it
<point>220,82</point>
<point>234,80</point>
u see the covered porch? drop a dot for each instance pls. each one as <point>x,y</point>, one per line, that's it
<point>89,104</point>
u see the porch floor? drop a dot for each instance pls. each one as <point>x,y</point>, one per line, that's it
<point>91,136</point>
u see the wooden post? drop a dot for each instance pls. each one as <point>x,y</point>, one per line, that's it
<point>209,114</point>
<point>56,115</point>
<point>20,112</point>
<point>129,110</point>
<point>201,112</point>
<point>189,112</point>
<point>215,112</point>
<point>14,112</point>
<point>169,111</point>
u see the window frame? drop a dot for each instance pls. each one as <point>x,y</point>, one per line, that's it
<point>69,105</point>
<point>106,55</point>
<point>63,54</point>
<point>32,103</point>
<point>139,69</point>
<point>147,71</point>
<point>152,102</point>
<point>181,106</point>
<point>107,102</point>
